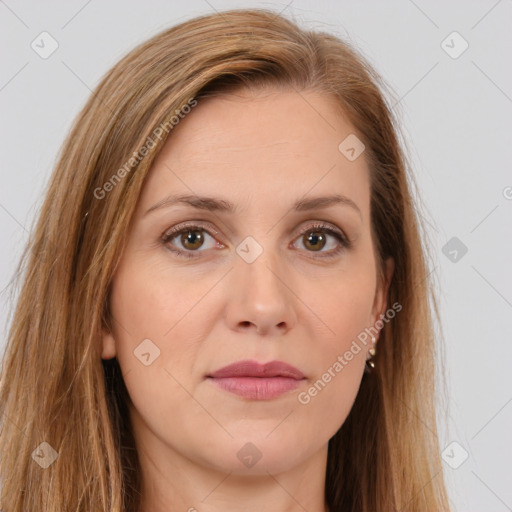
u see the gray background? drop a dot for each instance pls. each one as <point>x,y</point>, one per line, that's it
<point>456,115</point>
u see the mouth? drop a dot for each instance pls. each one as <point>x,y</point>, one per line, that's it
<point>254,381</point>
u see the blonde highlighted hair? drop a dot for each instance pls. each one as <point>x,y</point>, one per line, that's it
<point>55,387</point>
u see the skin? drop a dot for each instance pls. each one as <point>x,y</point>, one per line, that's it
<point>261,150</point>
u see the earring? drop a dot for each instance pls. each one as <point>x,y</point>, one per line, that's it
<point>370,365</point>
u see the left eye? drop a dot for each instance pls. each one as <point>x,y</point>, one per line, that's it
<point>192,238</point>
<point>316,238</point>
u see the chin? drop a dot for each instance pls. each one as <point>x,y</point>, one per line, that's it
<point>259,454</point>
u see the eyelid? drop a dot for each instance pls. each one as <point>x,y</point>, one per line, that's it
<point>323,224</point>
<point>318,224</point>
<point>189,225</point>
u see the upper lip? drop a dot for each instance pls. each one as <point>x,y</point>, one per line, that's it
<point>254,369</point>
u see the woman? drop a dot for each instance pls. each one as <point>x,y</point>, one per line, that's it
<point>225,302</point>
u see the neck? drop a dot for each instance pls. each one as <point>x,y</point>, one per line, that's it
<point>171,481</point>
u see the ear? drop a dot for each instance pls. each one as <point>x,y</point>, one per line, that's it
<point>381,293</point>
<point>109,346</point>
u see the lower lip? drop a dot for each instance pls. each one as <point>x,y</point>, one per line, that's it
<point>257,388</point>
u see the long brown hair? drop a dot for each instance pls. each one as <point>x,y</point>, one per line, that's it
<point>55,388</point>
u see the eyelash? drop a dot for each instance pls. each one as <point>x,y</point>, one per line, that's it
<point>319,226</point>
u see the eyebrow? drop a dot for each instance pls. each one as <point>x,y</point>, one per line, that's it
<point>222,205</point>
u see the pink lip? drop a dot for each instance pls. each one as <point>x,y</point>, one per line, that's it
<point>255,381</point>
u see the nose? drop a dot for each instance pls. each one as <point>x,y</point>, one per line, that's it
<point>261,298</point>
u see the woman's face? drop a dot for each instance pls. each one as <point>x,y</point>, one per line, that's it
<point>258,277</point>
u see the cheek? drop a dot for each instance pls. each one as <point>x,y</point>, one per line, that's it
<point>340,351</point>
<point>160,321</point>
<point>152,321</point>
<point>148,301</point>
<point>339,357</point>
<point>344,306</point>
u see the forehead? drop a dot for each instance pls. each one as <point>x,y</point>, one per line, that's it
<point>267,145</point>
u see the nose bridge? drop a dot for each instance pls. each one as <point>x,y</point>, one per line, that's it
<point>260,271</point>
<point>258,267</point>
<point>260,294</point>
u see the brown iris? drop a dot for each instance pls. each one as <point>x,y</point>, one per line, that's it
<point>315,239</point>
<point>193,237</point>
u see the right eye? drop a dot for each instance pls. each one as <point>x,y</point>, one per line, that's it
<point>191,237</point>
